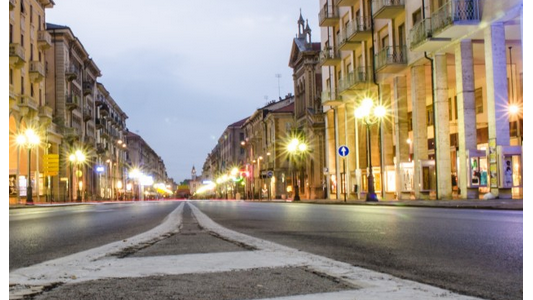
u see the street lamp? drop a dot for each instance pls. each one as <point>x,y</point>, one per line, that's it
<point>298,147</point>
<point>370,114</point>
<point>29,139</point>
<point>78,157</point>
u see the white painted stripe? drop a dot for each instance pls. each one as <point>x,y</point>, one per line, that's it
<point>94,264</point>
<point>372,285</point>
<point>70,267</point>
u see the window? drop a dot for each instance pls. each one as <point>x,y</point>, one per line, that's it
<point>22,40</point>
<point>10,33</point>
<point>410,121</point>
<point>429,115</point>
<point>11,76</point>
<point>478,93</point>
<point>401,35</point>
<point>417,17</point>
<point>32,94</point>
<point>22,85</point>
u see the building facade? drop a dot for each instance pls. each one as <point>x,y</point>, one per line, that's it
<point>448,73</point>
<point>67,135</point>
<point>28,106</point>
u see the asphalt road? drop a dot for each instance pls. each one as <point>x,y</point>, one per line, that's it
<point>41,233</point>
<point>473,252</point>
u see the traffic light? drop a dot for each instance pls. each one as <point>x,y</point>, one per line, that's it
<point>51,164</point>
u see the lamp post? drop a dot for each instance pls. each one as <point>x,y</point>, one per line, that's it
<point>370,114</point>
<point>29,139</point>
<point>78,158</point>
<point>296,147</point>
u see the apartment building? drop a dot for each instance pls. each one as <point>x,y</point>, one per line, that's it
<point>112,165</point>
<point>266,133</point>
<point>448,74</point>
<point>28,107</point>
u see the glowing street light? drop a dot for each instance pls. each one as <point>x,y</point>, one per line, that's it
<point>296,147</point>
<point>370,114</point>
<point>78,158</point>
<point>29,140</point>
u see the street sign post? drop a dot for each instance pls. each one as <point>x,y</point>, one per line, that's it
<point>343,152</point>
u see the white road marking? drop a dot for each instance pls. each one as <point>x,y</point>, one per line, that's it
<point>96,264</point>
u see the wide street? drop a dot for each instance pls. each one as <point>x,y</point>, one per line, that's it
<point>475,252</point>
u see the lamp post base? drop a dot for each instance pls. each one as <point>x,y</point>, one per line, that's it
<point>371,197</point>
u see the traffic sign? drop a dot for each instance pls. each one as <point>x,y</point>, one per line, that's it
<point>269,174</point>
<point>51,164</point>
<point>343,151</point>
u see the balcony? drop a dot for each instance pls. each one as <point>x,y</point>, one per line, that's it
<point>12,4</point>
<point>71,102</point>
<point>328,16</point>
<point>346,2</point>
<point>387,9</point>
<point>100,123</point>
<point>13,98</point>
<point>17,57</point>
<point>453,20</point>
<point>87,114</point>
<point>27,101</point>
<point>87,87</point>
<point>330,97</point>
<point>36,71</point>
<point>101,148</point>
<point>71,72</point>
<point>44,39</point>
<point>329,57</point>
<point>71,134</point>
<point>359,30</point>
<point>46,113</point>
<point>355,81</point>
<point>391,59</point>
<point>104,110</point>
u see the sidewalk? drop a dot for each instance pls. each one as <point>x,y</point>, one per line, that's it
<point>507,204</point>
<point>504,204</point>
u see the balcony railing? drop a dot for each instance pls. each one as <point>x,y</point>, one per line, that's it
<point>359,29</point>
<point>420,33</point>
<point>454,11</point>
<point>387,9</point>
<point>17,57</point>
<point>27,101</point>
<point>355,80</point>
<point>329,57</point>
<point>87,113</point>
<point>71,102</point>
<point>36,71</point>
<point>450,22</point>
<point>328,16</point>
<point>87,87</point>
<point>71,72</point>
<point>330,97</point>
<point>391,59</point>
<point>46,112</point>
<point>44,39</point>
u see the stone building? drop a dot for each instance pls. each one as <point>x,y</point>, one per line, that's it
<point>447,73</point>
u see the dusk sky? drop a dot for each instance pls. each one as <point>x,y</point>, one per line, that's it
<point>184,70</point>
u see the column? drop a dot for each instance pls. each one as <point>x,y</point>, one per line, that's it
<point>497,97</point>
<point>442,125</point>
<point>401,130</point>
<point>466,113</point>
<point>420,139</point>
<point>387,146</point>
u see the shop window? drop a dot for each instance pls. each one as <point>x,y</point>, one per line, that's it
<point>429,115</point>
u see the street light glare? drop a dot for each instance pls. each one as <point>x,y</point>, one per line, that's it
<point>514,109</point>
<point>380,111</point>
<point>302,147</point>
